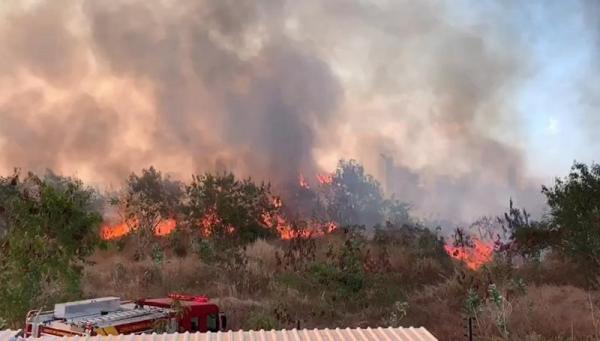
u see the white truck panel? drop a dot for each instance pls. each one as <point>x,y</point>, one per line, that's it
<point>86,307</point>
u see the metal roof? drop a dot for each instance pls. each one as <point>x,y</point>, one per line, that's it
<point>390,334</point>
<point>6,335</point>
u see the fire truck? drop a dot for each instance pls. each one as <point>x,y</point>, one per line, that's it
<point>112,316</point>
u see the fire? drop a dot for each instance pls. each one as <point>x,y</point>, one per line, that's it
<point>325,179</point>
<point>286,231</point>
<point>211,219</point>
<point>208,222</point>
<point>302,181</point>
<point>165,227</point>
<point>474,257</point>
<point>316,230</point>
<point>111,232</point>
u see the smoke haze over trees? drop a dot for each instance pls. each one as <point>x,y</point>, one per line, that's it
<point>270,89</point>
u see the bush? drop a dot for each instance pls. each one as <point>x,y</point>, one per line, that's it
<point>343,283</point>
<point>52,228</point>
<point>179,242</point>
<point>205,250</point>
<point>261,320</point>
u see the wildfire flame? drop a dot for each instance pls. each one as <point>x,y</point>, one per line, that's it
<point>165,227</point>
<point>116,231</point>
<point>325,179</point>
<point>110,232</point>
<point>474,257</point>
<point>314,231</point>
<point>206,225</point>
<point>208,222</point>
<point>286,231</point>
<point>302,181</point>
<point>276,220</point>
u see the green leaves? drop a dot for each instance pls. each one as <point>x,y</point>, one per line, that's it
<point>575,216</point>
<point>239,206</point>
<point>50,225</point>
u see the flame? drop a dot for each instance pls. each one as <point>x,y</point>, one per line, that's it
<point>208,222</point>
<point>165,227</point>
<point>325,179</point>
<point>206,225</point>
<point>474,257</point>
<point>110,232</point>
<point>313,231</point>
<point>302,181</point>
<point>116,231</point>
<point>286,231</point>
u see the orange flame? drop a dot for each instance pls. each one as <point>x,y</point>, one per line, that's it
<point>286,231</point>
<point>206,225</point>
<point>165,227</point>
<point>111,232</point>
<point>302,182</point>
<point>474,257</point>
<point>313,231</point>
<point>325,179</point>
<point>208,222</point>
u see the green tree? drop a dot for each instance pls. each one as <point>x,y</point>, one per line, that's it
<point>575,216</point>
<point>526,237</point>
<point>50,227</point>
<point>148,200</point>
<point>355,198</point>
<point>235,208</point>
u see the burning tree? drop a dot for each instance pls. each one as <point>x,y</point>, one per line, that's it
<point>148,206</point>
<point>225,206</point>
<point>354,197</point>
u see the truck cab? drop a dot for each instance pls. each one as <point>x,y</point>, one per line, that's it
<point>194,313</point>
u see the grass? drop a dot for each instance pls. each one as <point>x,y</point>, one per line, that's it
<point>331,282</point>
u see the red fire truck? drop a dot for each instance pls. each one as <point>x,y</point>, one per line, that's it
<point>111,316</point>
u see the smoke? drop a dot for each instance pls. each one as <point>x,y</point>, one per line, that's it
<point>268,89</point>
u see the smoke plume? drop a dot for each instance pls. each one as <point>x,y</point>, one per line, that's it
<point>268,89</point>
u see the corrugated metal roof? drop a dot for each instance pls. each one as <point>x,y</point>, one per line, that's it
<point>391,334</point>
<point>5,335</point>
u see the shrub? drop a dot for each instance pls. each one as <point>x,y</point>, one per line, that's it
<point>205,250</point>
<point>397,313</point>
<point>52,227</point>
<point>179,242</point>
<point>261,320</point>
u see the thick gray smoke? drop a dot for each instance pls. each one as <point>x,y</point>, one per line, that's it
<point>269,89</point>
<point>220,86</point>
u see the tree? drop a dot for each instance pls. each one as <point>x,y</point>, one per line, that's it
<point>575,216</point>
<point>527,238</point>
<point>147,201</point>
<point>355,198</point>
<point>226,207</point>
<point>51,227</point>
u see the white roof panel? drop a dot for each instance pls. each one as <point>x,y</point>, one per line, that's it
<point>367,334</point>
<point>6,335</point>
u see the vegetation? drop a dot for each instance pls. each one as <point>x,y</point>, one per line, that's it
<point>50,229</point>
<point>380,267</point>
<point>575,217</point>
<point>230,203</point>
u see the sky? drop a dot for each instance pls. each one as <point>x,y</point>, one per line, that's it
<point>566,58</point>
<point>472,102</point>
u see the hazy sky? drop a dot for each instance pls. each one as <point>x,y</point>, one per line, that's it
<point>474,101</point>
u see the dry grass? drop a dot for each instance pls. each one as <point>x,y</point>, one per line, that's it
<point>263,252</point>
<point>115,274</point>
<point>262,289</point>
<point>556,311</point>
<point>543,313</point>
